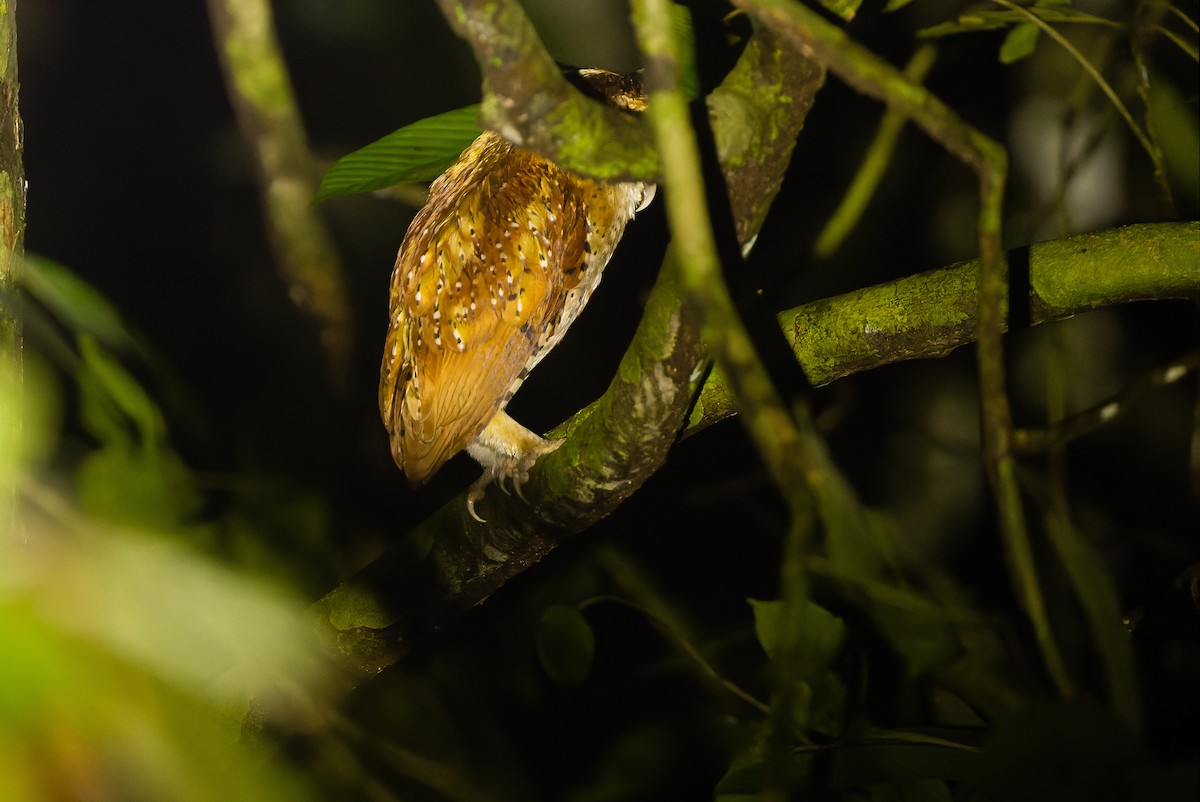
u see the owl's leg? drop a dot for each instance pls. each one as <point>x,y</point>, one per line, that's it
<point>507,451</point>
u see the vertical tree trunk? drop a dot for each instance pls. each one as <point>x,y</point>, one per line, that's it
<point>12,229</point>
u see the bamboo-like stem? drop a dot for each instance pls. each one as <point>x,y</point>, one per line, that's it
<point>261,93</point>
<point>764,413</point>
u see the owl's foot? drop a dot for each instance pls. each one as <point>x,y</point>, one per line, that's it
<point>507,451</point>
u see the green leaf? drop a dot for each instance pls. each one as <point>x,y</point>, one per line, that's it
<point>895,5</point>
<point>846,9</point>
<point>79,305</point>
<point>108,392</point>
<point>139,654</point>
<point>977,20</point>
<point>416,152</point>
<point>918,628</point>
<point>1019,43</point>
<point>565,644</point>
<point>1174,128</point>
<point>1097,593</point>
<point>820,636</point>
<point>148,488</point>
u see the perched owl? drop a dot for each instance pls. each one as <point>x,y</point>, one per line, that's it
<point>492,271</point>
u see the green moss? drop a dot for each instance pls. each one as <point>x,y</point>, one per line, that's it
<point>750,110</point>
<point>7,34</point>
<point>350,607</point>
<point>1132,262</point>
<point>589,147</point>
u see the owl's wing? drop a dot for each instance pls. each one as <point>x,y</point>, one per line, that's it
<point>477,284</point>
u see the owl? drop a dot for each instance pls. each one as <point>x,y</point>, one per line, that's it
<point>490,275</point>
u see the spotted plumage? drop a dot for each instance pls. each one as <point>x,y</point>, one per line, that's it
<point>492,272</point>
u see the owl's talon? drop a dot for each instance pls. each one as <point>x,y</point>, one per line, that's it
<point>509,468</point>
<point>474,494</point>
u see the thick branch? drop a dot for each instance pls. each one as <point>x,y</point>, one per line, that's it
<point>527,100</point>
<point>930,314</point>
<point>262,97</point>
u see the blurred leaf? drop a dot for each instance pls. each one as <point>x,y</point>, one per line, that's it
<point>1173,123</point>
<point>854,765</point>
<point>416,152</point>
<point>920,630</point>
<point>1019,43</point>
<point>133,477</point>
<point>191,621</point>
<point>108,392</point>
<point>817,695</point>
<point>980,20</point>
<point>846,9</point>
<point>1097,594</point>
<point>121,659</point>
<point>895,5</point>
<point>827,710</point>
<point>821,636</point>
<point>147,488</point>
<point>565,644</point>
<point>79,305</point>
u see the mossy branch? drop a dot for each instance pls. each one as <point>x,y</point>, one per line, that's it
<point>260,90</point>
<point>930,314</point>
<point>529,102</point>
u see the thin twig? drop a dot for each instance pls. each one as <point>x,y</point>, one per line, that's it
<point>671,630</point>
<point>871,170</point>
<point>1032,441</point>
